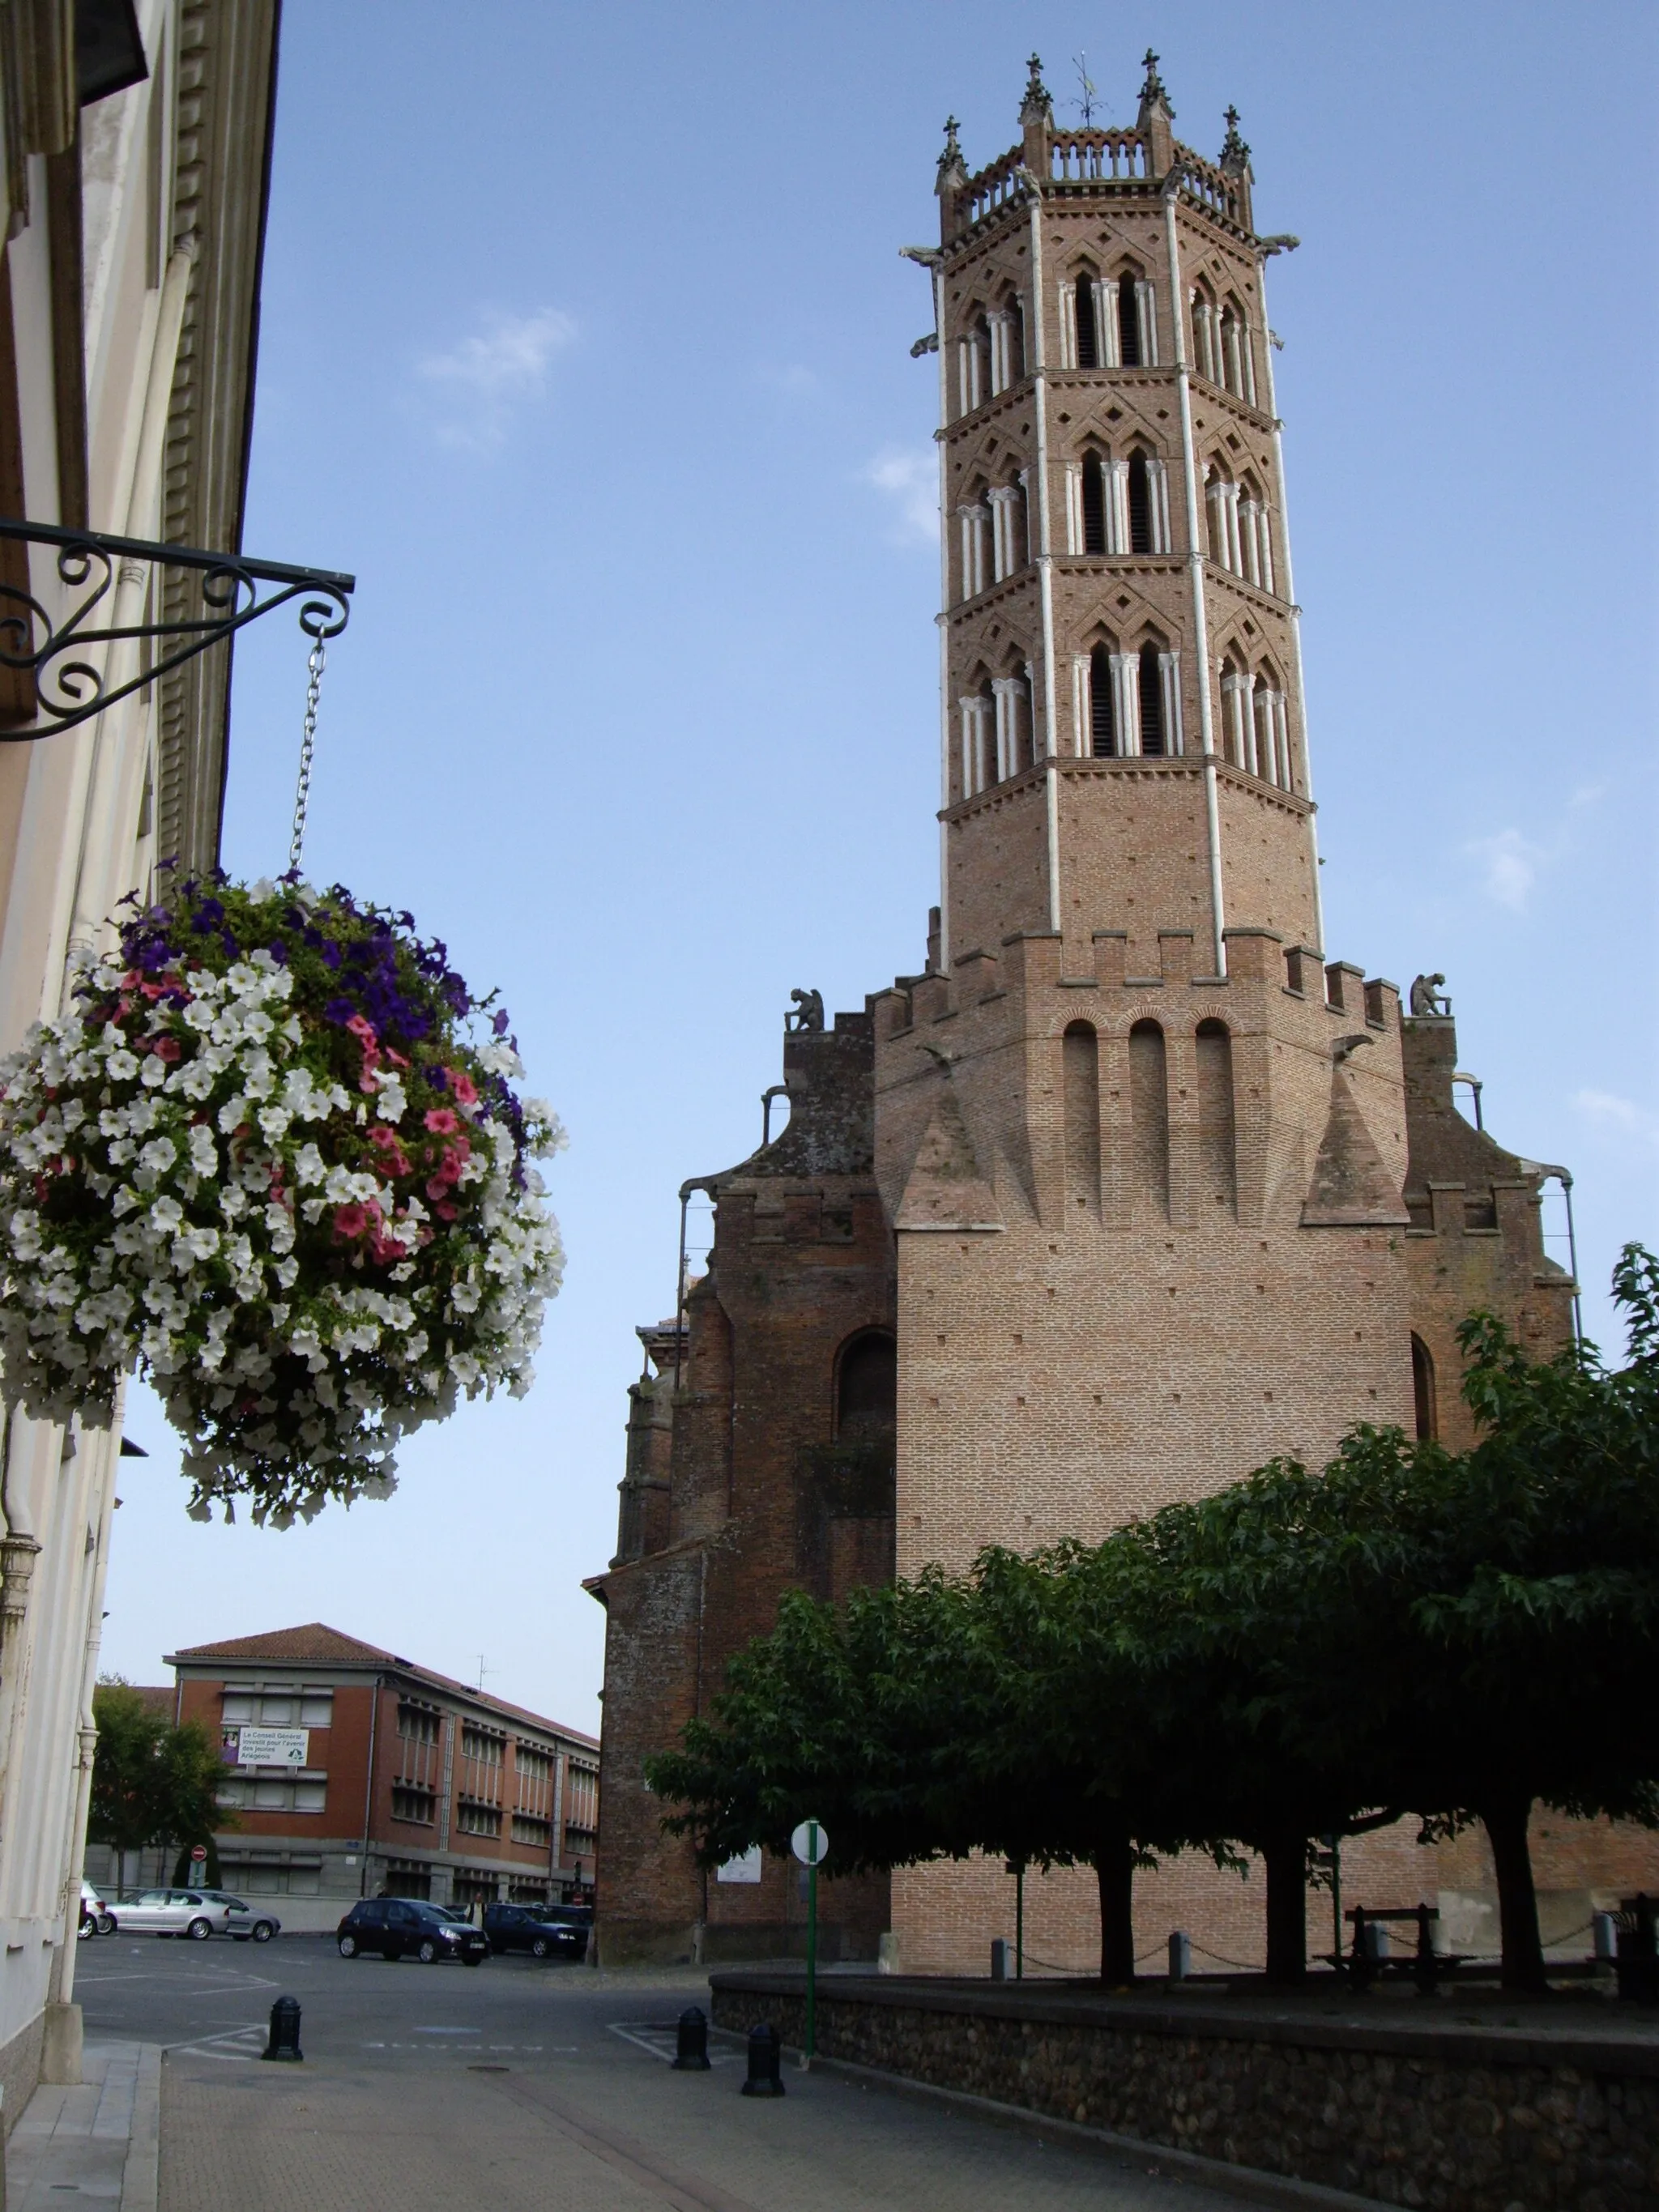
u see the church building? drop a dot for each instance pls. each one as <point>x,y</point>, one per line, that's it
<point>1139,1182</point>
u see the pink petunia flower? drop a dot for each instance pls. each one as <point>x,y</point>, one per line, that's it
<point>463,1089</point>
<point>167,1048</point>
<point>350,1220</point>
<point>442,1121</point>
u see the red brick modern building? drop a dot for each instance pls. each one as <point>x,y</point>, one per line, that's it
<point>355,1771</point>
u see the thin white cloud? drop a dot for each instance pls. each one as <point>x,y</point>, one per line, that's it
<point>1609,1111</point>
<point>479,380</point>
<point>1508,866</point>
<point>910,477</point>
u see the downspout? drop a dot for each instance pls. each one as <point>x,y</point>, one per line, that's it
<point>96,805</point>
<point>1196,571</point>
<point>1266,249</point>
<point>937,272</point>
<point>368,1787</point>
<point>1038,365</point>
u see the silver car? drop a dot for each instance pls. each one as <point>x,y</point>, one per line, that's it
<point>197,1913</point>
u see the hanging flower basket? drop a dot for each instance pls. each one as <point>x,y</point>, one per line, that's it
<point>273,1157</point>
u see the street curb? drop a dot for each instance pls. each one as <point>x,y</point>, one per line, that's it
<point>1251,2183</point>
<point>140,2176</point>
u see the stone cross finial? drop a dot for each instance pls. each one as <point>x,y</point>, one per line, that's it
<point>1037,102</point>
<point>952,169</point>
<point>1154,89</point>
<point>1235,153</point>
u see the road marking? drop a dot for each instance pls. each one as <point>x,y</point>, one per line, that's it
<point>662,2039</point>
<point>251,2040</point>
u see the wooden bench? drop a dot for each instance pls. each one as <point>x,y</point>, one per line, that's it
<point>1362,1965</point>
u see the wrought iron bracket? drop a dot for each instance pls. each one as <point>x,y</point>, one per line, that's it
<point>69,658</point>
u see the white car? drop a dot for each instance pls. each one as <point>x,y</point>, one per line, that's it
<point>197,1913</point>
<point>96,1919</point>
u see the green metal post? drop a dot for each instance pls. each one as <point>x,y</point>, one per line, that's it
<point>811,1942</point>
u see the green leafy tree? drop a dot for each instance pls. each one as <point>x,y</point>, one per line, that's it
<point>151,1782</point>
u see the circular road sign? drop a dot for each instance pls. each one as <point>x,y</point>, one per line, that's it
<point>198,1854</point>
<point>810,1843</point>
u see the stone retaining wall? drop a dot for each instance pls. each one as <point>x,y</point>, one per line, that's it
<point>1450,2117</point>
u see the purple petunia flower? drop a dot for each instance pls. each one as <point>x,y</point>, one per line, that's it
<point>340,1011</point>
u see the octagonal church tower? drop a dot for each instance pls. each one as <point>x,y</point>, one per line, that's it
<point>1134,1186</point>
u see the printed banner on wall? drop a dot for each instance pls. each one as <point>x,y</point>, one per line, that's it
<point>267,1747</point>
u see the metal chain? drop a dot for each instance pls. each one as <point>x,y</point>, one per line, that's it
<point>314,667</point>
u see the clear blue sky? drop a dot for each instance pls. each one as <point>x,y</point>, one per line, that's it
<point>586,345</point>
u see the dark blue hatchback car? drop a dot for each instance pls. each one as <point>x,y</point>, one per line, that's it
<point>546,1931</point>
<point>408,1927</point>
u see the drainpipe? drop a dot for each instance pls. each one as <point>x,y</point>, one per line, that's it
<point>1038,366</point>
<point>1196,571</point>
<point>1266,248</point>
<point>368,1787</point>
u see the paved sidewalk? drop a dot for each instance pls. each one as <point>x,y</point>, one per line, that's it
<point>597,2122</point>
<point>98,2142</point>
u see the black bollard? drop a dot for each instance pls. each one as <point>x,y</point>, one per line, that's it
<point>284,2032</point>
<point>691,2044</point>
<point>764,2053</point>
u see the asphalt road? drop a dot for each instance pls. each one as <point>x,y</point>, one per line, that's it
<point>219,1994</point>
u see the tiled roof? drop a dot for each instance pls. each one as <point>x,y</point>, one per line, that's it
<point>317,1644</point>
<point>315,1641</point>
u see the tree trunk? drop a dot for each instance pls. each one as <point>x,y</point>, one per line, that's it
<point>1505,1824</point>
<point>1286,1857</point>
<point>1114,1868</point>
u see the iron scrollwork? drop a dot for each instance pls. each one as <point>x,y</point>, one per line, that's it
<point>71,673</point>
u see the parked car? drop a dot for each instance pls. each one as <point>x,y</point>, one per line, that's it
<point>408,1927</point>
<point>546,1931</point>
<point>245,1923</point>
<point>197,1913</point>
<point>96,1919</point>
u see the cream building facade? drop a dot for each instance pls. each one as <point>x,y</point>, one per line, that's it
<point>133,182</point>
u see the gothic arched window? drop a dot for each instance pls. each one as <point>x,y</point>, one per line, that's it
<point>1102,722</point>
<point>1094,504</point>
<point>1130,350</point>
<point>1153,734</point>
<point>1140,504</point>
<point>1088,336</point>
<point>1427,1413</point>
<point>866,1389</point>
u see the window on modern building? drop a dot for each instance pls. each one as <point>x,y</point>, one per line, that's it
<point>411,1802</point>
<point>278,1707</point>
<point>418,1724</point>
<point>1080,1068</point>
<point>866,1388</point>
<point>483,1744</point>
<point>258,1876</point>
<point>473,1819</point>
<point>527,1893</point>
<point>1154,734</point>
<point>1094,504</point>
<point>274,1793</point>
<point>1423,1398</point>
<point>532,1828</point>
<point>531,1763</point>
<point>407,1878</point>
<point>1215,1116</point>
<point>1149,1112</point>
<point>469,1889</point>
<point>1102,732</point>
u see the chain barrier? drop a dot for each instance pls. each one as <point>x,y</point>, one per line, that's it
<point>314,666</point>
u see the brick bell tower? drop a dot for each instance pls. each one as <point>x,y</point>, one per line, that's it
<point>1145,1146</point>
<point>1133,1187</point>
